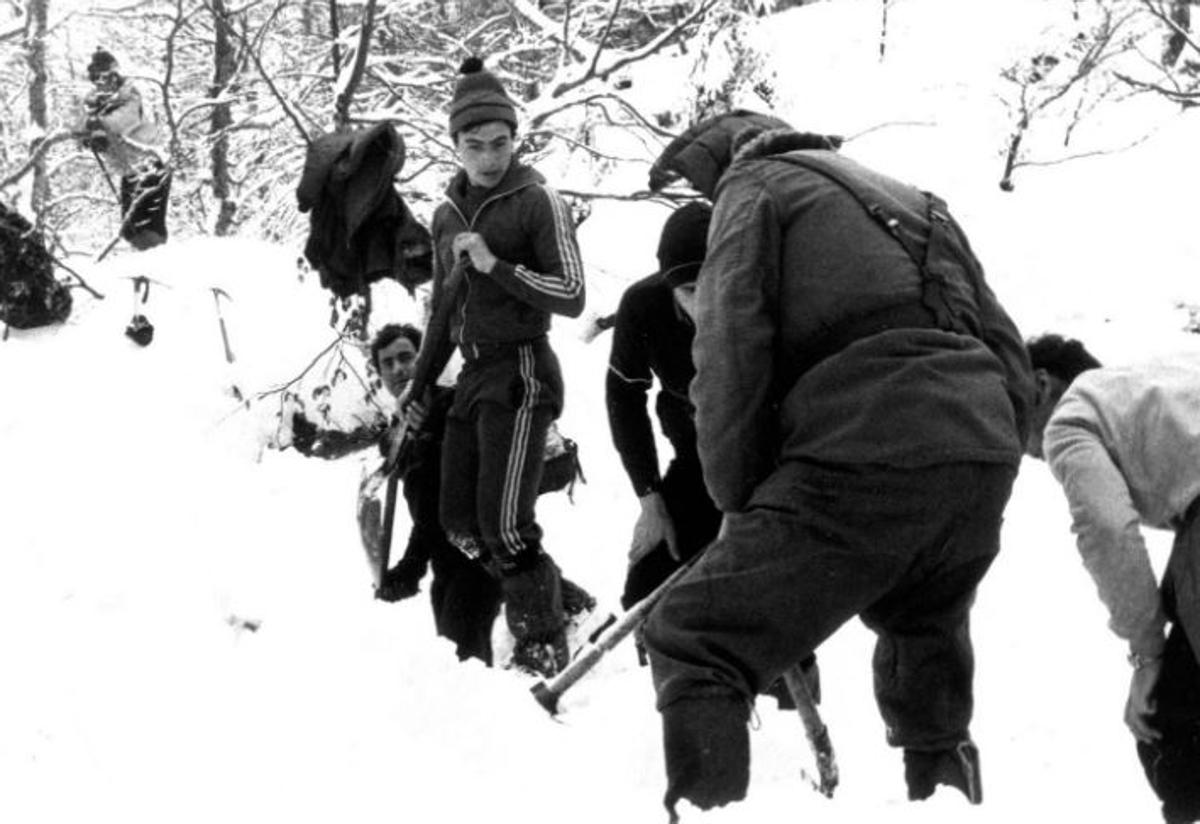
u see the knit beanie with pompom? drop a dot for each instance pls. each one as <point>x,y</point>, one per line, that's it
<point>102,61</point>
<point>478,98</point>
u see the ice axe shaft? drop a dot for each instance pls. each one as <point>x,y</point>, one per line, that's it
<point>548,692</point>
<point>422,381</point>
<point>218,293</point>
<point>814,730</point>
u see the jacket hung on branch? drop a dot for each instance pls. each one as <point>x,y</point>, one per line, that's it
<point>360,229</point>
<point>860,354</point>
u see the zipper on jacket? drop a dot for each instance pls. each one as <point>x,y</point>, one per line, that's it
<point>470,224</point>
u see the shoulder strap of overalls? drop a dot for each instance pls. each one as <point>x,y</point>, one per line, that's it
<point>915,241</point>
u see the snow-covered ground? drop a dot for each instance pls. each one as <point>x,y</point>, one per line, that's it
<point>186,625</point>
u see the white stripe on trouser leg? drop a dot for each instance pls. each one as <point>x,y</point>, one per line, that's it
<point>518,446</point>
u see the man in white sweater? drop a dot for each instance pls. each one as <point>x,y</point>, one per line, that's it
<point>1124,442</point>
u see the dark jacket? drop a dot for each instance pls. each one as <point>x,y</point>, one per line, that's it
<point>527,226</point>
<point>791,256</point>
<point>360,230</point>
<point>652,338</point>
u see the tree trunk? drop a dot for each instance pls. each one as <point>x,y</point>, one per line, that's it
<point>35,58</point>
<point>224,66</point>
<point>335,32</point>
<point>883,31</point>
<point>341,113</point>
<point>308,21</point>
<point>1181,16</point>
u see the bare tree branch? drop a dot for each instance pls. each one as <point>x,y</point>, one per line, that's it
<point>266,76</point>
<point>341,110</point>
<point>39,150</point>
<point>1177,95</point>
<point>537,118</point>
<point>654,46</point>
<point>890,125</point>
<point>603,41</point>
<point>533,15</point>
<point>1175,28</point>
<point>335,36</point>
<point>1081,155</point>
<point>335,343</point>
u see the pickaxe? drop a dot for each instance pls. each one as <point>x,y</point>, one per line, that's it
<point>219,293</point>
<point>549,691</point>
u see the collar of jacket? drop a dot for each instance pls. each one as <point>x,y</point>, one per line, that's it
<point>518,176</point>
<point>782,141</point>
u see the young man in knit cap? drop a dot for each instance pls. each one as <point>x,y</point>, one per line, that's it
<point>860,417</point>
<point>116,127</point>
<point>1124,442</point>
<point>512,237</point>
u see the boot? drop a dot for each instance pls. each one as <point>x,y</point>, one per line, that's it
<point>534,610</point>
<point>542,658</point>
<point>707,747</point>
<point>576,600</point>
<point>957,767</point>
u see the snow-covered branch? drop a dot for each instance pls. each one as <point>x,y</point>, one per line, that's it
<point>39,151</point>
<point>654,46</point>
<point>533,15</point>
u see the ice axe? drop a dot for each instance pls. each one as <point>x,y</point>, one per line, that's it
<point>436,331</point>
<point>548,692</point>
<point>814,730</point>
<point>219,293</point>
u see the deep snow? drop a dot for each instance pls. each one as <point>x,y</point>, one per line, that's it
<point>146,527</point>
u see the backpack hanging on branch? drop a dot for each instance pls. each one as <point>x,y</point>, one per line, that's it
<point>30,296</point>
<point>360,229</point>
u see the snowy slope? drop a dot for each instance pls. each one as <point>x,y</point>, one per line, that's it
<point>146,529</point>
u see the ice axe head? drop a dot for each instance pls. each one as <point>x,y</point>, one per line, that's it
<point>219,293</point>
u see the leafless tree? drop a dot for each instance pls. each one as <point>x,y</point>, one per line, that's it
<point>224,69</point>
<point>35,59</point>
<point>1064,85</point>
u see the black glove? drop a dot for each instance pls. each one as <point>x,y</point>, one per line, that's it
<point>304,433</point>
<point>140,330</point>
<point>97,141</point>
<point>401,581</point>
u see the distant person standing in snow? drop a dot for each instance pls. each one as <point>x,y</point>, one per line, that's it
<point>115,127</point>
<point>1124,442</point>
<point>512,237</point>
<point>860,412</point>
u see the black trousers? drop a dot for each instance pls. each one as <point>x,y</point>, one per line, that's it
<point>1172,763</point>
<point>696,519</point>
<point>818,545</point>
<point>146,223</point>
<point>465,601</point>
<point>492,455</point>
